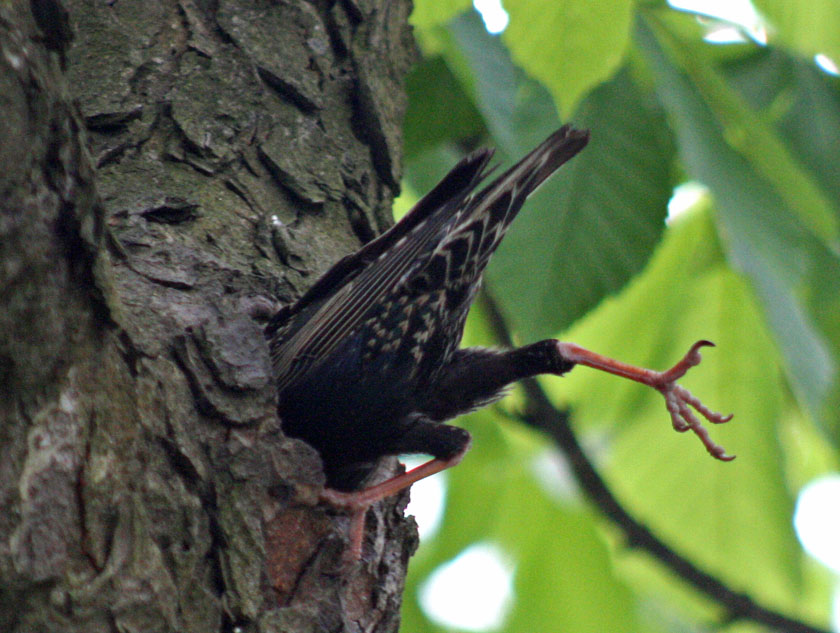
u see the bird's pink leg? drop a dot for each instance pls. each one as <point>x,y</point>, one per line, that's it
<point>678,400</point>
<point>358,502</point>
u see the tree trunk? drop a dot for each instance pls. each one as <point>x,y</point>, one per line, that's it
<point>172,173</point>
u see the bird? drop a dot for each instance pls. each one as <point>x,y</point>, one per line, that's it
<point>368,361</point>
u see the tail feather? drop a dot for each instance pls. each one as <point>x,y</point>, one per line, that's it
<point>483,222</point>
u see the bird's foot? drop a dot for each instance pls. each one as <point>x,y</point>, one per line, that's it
<point>678,400</point>
<point>356,503</point>
<point>357,512</point>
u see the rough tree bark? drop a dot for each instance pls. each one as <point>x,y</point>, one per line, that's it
<point>171,172</point>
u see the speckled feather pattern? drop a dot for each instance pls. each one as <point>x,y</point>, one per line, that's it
<point>359,357</point>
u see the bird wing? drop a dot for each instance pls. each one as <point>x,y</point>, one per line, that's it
<point>312,327</point>
<point>432,247</point>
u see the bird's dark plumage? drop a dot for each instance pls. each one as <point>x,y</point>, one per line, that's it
<point>367,362</point>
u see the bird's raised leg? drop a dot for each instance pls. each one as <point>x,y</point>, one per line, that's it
<point>477,376</point>
<point>678,400</point>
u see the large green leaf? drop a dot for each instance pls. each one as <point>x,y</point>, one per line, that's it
<point>746,131</point>
<point>439,109</point>
<point>808,26</point>
<point>495,82</point>
<point>802,102</point>
<point>767,234</point>
<point>595,223</point>
<point>564,572</point>
<point>571,46</point>
<point>734,519</point>
<point>430,13</point>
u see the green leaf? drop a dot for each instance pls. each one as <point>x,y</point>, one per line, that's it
<point>439,109</point>
<point>770,237</point>
<point>571,46</point>
<point>594,224</point>
<point>565,575</point>
<point>749,134</point>
<point>808,26</point>
<point>492,78</point>
<point>733,519</point>
<point>429,13</point>
<point>803,106</point>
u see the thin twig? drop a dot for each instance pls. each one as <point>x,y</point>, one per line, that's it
<point>542,414</point>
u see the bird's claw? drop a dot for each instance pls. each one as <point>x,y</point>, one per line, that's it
<point>680,402</point>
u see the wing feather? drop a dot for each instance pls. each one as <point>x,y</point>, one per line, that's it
<point>438,228</point>
<point>348,289</point>
<point>497,205</point>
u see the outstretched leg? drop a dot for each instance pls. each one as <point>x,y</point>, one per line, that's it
<point>478,376</point>
<point>678,400</point>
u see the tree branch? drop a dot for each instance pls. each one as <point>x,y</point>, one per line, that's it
<point>543,415</point>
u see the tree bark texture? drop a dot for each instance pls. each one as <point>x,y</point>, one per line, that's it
<point>171,173</point>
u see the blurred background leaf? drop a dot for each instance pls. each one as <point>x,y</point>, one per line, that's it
<point>751,129</point>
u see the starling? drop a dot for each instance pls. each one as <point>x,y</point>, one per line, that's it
<point>368,362</point>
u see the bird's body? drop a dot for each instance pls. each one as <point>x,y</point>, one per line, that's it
<point>365,357</point>
<point>368,363</point>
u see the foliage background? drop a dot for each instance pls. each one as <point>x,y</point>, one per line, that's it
<point>754,265</point>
